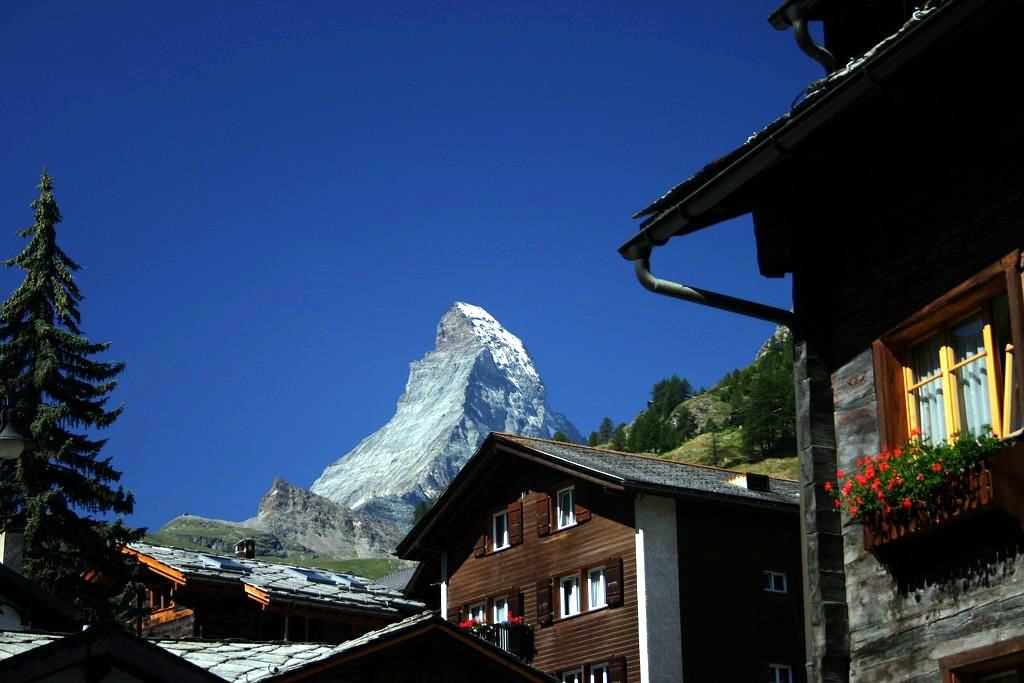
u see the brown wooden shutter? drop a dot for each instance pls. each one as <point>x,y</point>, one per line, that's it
<point>455,614</point>
<point>613,581</point>
<point>543,514</point>
<point>545,609</point>
<point>586,673</point>
<point>515,523</point>
<point>891,395</point>
<point>515,602</point>
<point>582,503</point>
<point>480,549</point>
<point>617,670</point>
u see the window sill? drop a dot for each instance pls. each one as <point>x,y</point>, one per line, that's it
<point>573,617</point>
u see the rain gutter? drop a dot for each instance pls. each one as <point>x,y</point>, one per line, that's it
<point>689,214</point>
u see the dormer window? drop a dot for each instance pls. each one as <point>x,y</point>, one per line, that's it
<point>499,537</point>
<point>566,507</point>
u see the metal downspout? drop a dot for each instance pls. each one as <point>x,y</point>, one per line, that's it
<point>705,297</point>
<point>802,34</point>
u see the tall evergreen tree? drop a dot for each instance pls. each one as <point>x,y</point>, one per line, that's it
<point>605,430</point>
<point>619,437</point>
<point>59,395</point>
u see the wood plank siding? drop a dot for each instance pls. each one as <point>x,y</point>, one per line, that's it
<point>547,553</point>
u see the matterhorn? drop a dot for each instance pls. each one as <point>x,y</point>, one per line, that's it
<point>478,379</point>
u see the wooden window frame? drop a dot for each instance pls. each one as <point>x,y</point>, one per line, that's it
<point>772,575</point>
<point>561,602</point>
<point>571,490</point>
<point>494,531</point>
<point>482,604</point>
<point>594,669</point>
<point>494,608</point>
<point>590,571</point>
<point>577,672</point>
<point>970,666</point>
<point>774,668</point>
<point>893,377</point>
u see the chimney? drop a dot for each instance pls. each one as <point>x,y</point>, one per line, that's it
<point>11,545</point>
<point>246,549</point>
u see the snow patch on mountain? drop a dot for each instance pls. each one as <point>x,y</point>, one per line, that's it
<point>479,378</point>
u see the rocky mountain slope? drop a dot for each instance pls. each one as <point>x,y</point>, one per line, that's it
<point>304,518</point>
<point>289,521</point>
<point>479,378</point>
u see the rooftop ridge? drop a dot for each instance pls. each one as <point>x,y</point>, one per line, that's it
<point>643,456</point>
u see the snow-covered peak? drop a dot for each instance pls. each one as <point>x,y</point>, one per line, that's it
<point>507,349</point>
<point>479,378</point>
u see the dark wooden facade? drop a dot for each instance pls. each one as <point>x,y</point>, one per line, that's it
<point>733,628</point>
<point>546,554</point>
<point>900,212</point>
<point>707,615</point>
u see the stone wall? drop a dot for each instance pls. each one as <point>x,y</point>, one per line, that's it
<point>963,590</point>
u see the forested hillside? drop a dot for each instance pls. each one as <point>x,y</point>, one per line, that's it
<point>746,421</point>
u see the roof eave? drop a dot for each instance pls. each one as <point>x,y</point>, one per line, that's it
<point>690,213</point>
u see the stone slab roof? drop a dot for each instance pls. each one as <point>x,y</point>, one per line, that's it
<point>398,580</point>
<point>249,661</point>
<point>645,472</point>
<point>318,587</point>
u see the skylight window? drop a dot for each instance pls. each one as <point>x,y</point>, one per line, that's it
<point>349,581</point>
<point>224,564</point>
<point>312,576</point>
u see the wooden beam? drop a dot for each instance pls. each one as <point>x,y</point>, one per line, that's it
<point>156,566</point>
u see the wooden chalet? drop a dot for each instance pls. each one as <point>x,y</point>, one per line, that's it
<point>610,567</point>
<point>205,595</point>
<point>893,194</point>
<point>419,649</point>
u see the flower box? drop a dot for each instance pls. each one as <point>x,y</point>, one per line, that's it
<point>996,482</point>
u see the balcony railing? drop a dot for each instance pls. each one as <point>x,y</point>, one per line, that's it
<point>516,639</point>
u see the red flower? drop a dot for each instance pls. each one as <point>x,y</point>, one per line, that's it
<point>840,474</point>
<point>907,503</point>
<point>837,502</point>
<point>883,467</point>
<point>936,467</point>
<point>828,486</point>
<point>920,477</point>
<point>915,432</point>
<point>853,510</point>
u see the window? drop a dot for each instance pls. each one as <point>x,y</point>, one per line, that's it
<point>500,609</point>
<point>569,595</point>
<point>780,673</point>
<point>499,539</point>
<point>566,507</point>
<point>599,673</point>
<point>596,588</point>
<point>951,380</point>
<point>950,368</point>
<point>574,676</point>
<point>1001,662</point>
<point>774,582</point>
<point>478,612</point>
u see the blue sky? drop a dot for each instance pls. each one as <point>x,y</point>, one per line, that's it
<point>274,203</point>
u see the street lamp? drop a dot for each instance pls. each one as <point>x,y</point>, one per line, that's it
<point>12,443</point>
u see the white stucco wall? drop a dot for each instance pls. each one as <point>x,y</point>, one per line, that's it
<point>657,587</point>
